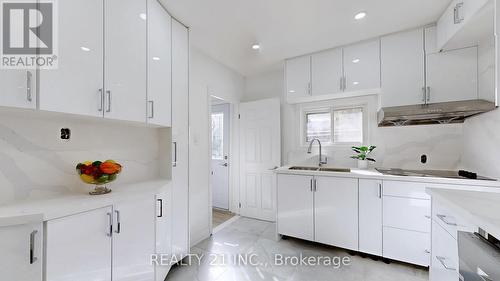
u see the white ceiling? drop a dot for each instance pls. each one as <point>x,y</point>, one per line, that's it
<point>226,29</point>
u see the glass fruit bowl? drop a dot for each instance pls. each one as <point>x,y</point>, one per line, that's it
<point>98,173</point>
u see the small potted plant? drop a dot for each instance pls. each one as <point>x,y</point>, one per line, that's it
<point>362,155</point>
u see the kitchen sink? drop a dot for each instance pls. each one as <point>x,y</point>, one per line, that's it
<point>335,170</point>
<point>302,168</point>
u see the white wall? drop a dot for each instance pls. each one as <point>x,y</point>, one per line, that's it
<point>207,77</point>
<point>36,163</point>
<point>481,144</point>
<point>396,146</point>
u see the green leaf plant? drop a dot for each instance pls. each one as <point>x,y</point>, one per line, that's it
<point>363,152</point>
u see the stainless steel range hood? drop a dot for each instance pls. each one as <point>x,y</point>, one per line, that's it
<point>436,113</point>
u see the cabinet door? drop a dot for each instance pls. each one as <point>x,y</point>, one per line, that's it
<point>298,77</point>
<point>180,138</point>
<point>163,231</point>
<point>370,217</point>
<point>76,86</point>
<point>159,65</point>
<point>416,216</point>
<point>78,247</point>
<point>125,60</point>
<point>295,206</point>
<point>362,66</point>
<point>336,212</point>
<point>326,72</point>
<point>18,88</point>
<point>21,252</point>
<point>134,239</point>
<point>400,51</point>
<point>452,75</point>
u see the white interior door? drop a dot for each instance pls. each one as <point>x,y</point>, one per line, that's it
<point>260,153</point>
<point>220,154</point>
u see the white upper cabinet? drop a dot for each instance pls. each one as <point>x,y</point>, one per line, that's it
<point>159,65</point>
<point>452,75</point>
<point>76,86</point>
<point>125,60</point>
<point>362,66</point>
<point>18,88</point>
<point>21,254</point>
<point>298,77</point>
<point>327,72</point>
<point>403,51</point>
<point>463,21</point>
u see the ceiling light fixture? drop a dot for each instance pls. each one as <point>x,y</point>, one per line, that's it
<point>255,47</point>
<point>355,60</point>
<point>360,15</point>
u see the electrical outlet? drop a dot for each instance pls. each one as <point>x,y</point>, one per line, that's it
<point>65,133</point>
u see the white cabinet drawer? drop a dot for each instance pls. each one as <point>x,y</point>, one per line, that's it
<point>407,246</point>
<point>407,213</point>
<point>448,220</point>
<point>444,263</point>
<point>405,189</point>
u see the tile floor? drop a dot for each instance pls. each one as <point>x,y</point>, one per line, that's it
<point>255,241</point>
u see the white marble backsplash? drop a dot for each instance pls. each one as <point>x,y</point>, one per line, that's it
<point>35,162</point>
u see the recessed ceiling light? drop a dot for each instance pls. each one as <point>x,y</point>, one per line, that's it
<point>360,15</point>
<point>255,46</point>
<point>355,60</point>
<point>85,49</point>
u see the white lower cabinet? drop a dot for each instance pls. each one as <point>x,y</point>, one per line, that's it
<point>444,263</point>
<point>163,232</point>
<point>21,252</point>
<point>18,88</point>
<point>408,246</point>
<point>78,247</point>
<point>416,215</point>
<point>111,243</point>
<point>407,222</point>
<point>134,239</point>
<point>295,206</point>
<point>336,211</point>
<point>391,219</point>
<point>370,216</point>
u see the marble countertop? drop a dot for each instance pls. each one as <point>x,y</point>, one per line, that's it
<point>481,209</point>
<point>466,184</point>
<point>43,209</point>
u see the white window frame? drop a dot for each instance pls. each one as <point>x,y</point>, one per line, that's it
<point>308,109</point>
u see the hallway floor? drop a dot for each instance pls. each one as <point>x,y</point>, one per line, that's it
<point>254,241</point>
<point>220,216</point>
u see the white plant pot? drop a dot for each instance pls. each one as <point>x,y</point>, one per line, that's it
<point>363,164</point>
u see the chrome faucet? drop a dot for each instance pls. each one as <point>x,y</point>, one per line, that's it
<point>321,162</point>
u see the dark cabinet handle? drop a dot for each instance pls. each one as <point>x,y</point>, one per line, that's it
<point>33,259</point>
<point>161,208</point>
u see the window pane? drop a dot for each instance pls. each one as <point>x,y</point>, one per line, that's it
<point>319,125</point>
<point>217,136</point>
<point>348,125</point>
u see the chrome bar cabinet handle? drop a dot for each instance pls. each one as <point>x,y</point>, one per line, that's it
<point>160,215</point>
<point>108,93</point>
<point>110,225</point>
<point>28,86</point>
<point>152,109</point>
<point>174,163</point>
